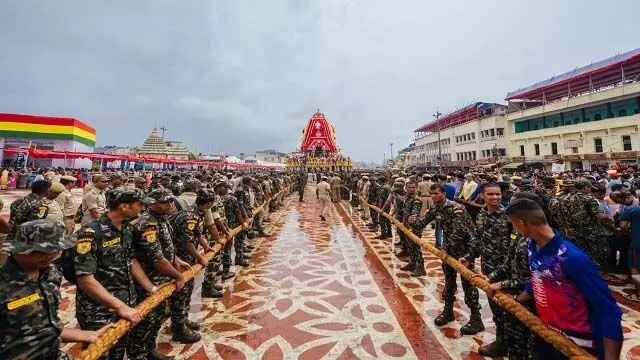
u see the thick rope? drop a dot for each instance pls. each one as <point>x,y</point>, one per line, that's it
<point>556,339</point>
<point>110,337</point>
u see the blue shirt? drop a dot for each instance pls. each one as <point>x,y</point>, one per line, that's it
<point>570,294</point>
<point>477,192</point>
<point>632,215</point>
<point>451,191</point>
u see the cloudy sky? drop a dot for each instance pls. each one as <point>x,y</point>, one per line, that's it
<point>245,75</point>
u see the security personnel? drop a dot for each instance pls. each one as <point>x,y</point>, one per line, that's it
<point>175,186</point>
<point>412,206</point>
<point>242,194</point>
<point>30,295</point>
<point>456,223</point>
<point>67,202</point>
<point>188,228</point>
<point>229,209</point>
<point>372,198</point>
<point>30,207</point>
<point>384,191</point>
<point>106,267</point>
<point>154,249</point>
<point>491,241</point>
<point>94,201</point>
<point>141,184</point>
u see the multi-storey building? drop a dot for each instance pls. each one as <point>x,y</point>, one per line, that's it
<point>470,137</point>
<point>584,119</point>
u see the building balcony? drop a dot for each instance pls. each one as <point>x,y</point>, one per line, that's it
<point>611,123</point>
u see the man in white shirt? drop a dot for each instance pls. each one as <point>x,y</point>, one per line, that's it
<point>323,193</point>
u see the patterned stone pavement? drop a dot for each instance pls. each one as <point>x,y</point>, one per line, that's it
<point>328,290</point>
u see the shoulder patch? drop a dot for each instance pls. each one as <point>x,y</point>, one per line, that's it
<point>150,236</point>
<point>457,210</point>
<point>83,246</point>
<point>191,224</point>
<point>514,236</point>
<point>42,211</point>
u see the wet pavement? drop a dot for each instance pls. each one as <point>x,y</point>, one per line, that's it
<point>329,290</point>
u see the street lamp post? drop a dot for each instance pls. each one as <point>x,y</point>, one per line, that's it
<point>437,116</point>
<point>391,145</point>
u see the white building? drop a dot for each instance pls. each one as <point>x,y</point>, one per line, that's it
<point>587,118</point>
<point>471,137</point>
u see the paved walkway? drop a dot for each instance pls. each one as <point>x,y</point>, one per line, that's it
<point>329,290</point>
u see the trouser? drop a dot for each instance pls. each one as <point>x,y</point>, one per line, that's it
<point>375,218</point>
<point>439,235</point>
<point>69,225</point>
<point>99,318</point>
<point>367,211</point>
<point>226,254</point>
<point>498,319</point>
<point>385,226</point>
<point>618,244</point>
<point>325,202</point>
<point>143,336</point>
<point>518,338</point>
<point>301,193</point>
<point>257,222</point>
<point>415,251</point>
<point>335,194</point>
<point>212,270</point>
<point>546,351</point>
<point>180,302</point>
<point>450,288</point>
<point>238,244</point>
<point>405,241</point>
<point>426,204</point>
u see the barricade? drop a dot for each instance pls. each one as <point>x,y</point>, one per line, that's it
<point>556,339</point>
<point>111,336</point>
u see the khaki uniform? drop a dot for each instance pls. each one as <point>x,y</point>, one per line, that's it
<point>94,199</point>
<point>68,206</point>
<point>55,211</point>
<point>324,190</point>
<point>423,193</point>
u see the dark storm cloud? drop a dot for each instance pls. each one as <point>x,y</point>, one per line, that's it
<point>240,76</point>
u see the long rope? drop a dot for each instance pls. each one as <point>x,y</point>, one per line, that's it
<point>110,337</point>
<point>556,339</point>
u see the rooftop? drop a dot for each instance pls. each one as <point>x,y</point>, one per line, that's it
<point>466,114</point>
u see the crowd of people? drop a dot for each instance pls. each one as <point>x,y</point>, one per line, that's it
<point>131,233</point>
<point>550,241</point>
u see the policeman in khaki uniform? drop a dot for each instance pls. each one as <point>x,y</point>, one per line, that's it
<point>30,295</point>
<point>55,211</point>
<point>67,203</point>
<point>93,202</point>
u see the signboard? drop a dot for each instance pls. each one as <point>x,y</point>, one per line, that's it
<point>517,159</point>
<point>624,155</point>
<point>598,156</point>
<point>557,168</point>
<point>573,143</point>
<point>572,157</point>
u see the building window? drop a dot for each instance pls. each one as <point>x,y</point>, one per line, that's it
<point>493,132</point>
<point>473,136</point>
<point>598,144</point>
<point>474,155</point>
<point>574,150</point>
<point>554,148</point>
<point>500,131</point>
<point>521,150</point>
<point>626,142</point>
<point>537,148</point>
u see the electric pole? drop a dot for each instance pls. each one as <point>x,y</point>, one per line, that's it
<point>163,130</point>
<point>437,116</point>
<point>391,145</point>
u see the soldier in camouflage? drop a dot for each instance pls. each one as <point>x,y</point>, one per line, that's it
<point>412,206</point>
<point>456,239</point>
<point>384,190</point>
<point>140,183</point>
<point>372,198</point>
<point>30,207</point>
<point>229,210</point>
<point>106,268</point>
<point>154,249</point>
<point>260,198</point>
<point>557,206</point>
<point>546,193</point>
<point>583,217</point>
<point>174,186</point>
<point>188,230</point>
<point>511,278</point>
<point>30,294</point>
<point>491,240</point>
<point>244,201</point>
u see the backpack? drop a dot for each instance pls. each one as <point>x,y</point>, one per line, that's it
<point>68,257</point>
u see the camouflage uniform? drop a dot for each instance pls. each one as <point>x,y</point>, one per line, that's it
<point>456,239</point>
<point>374,193</point>
<point>244,202</point>
<point>491,241</point>
<point>385,224</point>
<point>259,199</point>
<point>399,213</point>
<point>579,211</point>
<point>231,209</point>
<point>412,206</point>
<point>108,258</point>
<point>152,243</point>
<point>175,188</point>
<point>29,313</point>
<point>187,226</point>
<point>31,207</point>
<point>546,196</point>
<point>513,274</point>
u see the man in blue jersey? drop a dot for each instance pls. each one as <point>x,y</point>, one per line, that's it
<point>569,293</point>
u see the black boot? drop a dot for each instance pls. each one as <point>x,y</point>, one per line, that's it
<point>192,325</point>
<point>402,253</point>
<point>495,349</point>
<point>184,335</point>
<point>445,317</point>
<point>226,274</point>
<point>211,293</point>
<point>154,354</point>
<point>408,267</point>
<point>241,261</point>
<point>474,325</point>
<point>419,271</point>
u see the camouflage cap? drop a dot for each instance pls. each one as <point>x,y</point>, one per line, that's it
<point>44,235</point>
<point>115,176</point>
<point>118,196</point>
<point>218,183</point>
<point>99,177</point>
<point>159,195</point>
<point>205,196</point>
<point>192,184</point>
<point>139,180</point>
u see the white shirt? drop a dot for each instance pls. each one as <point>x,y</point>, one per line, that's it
<point>324,189</point>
